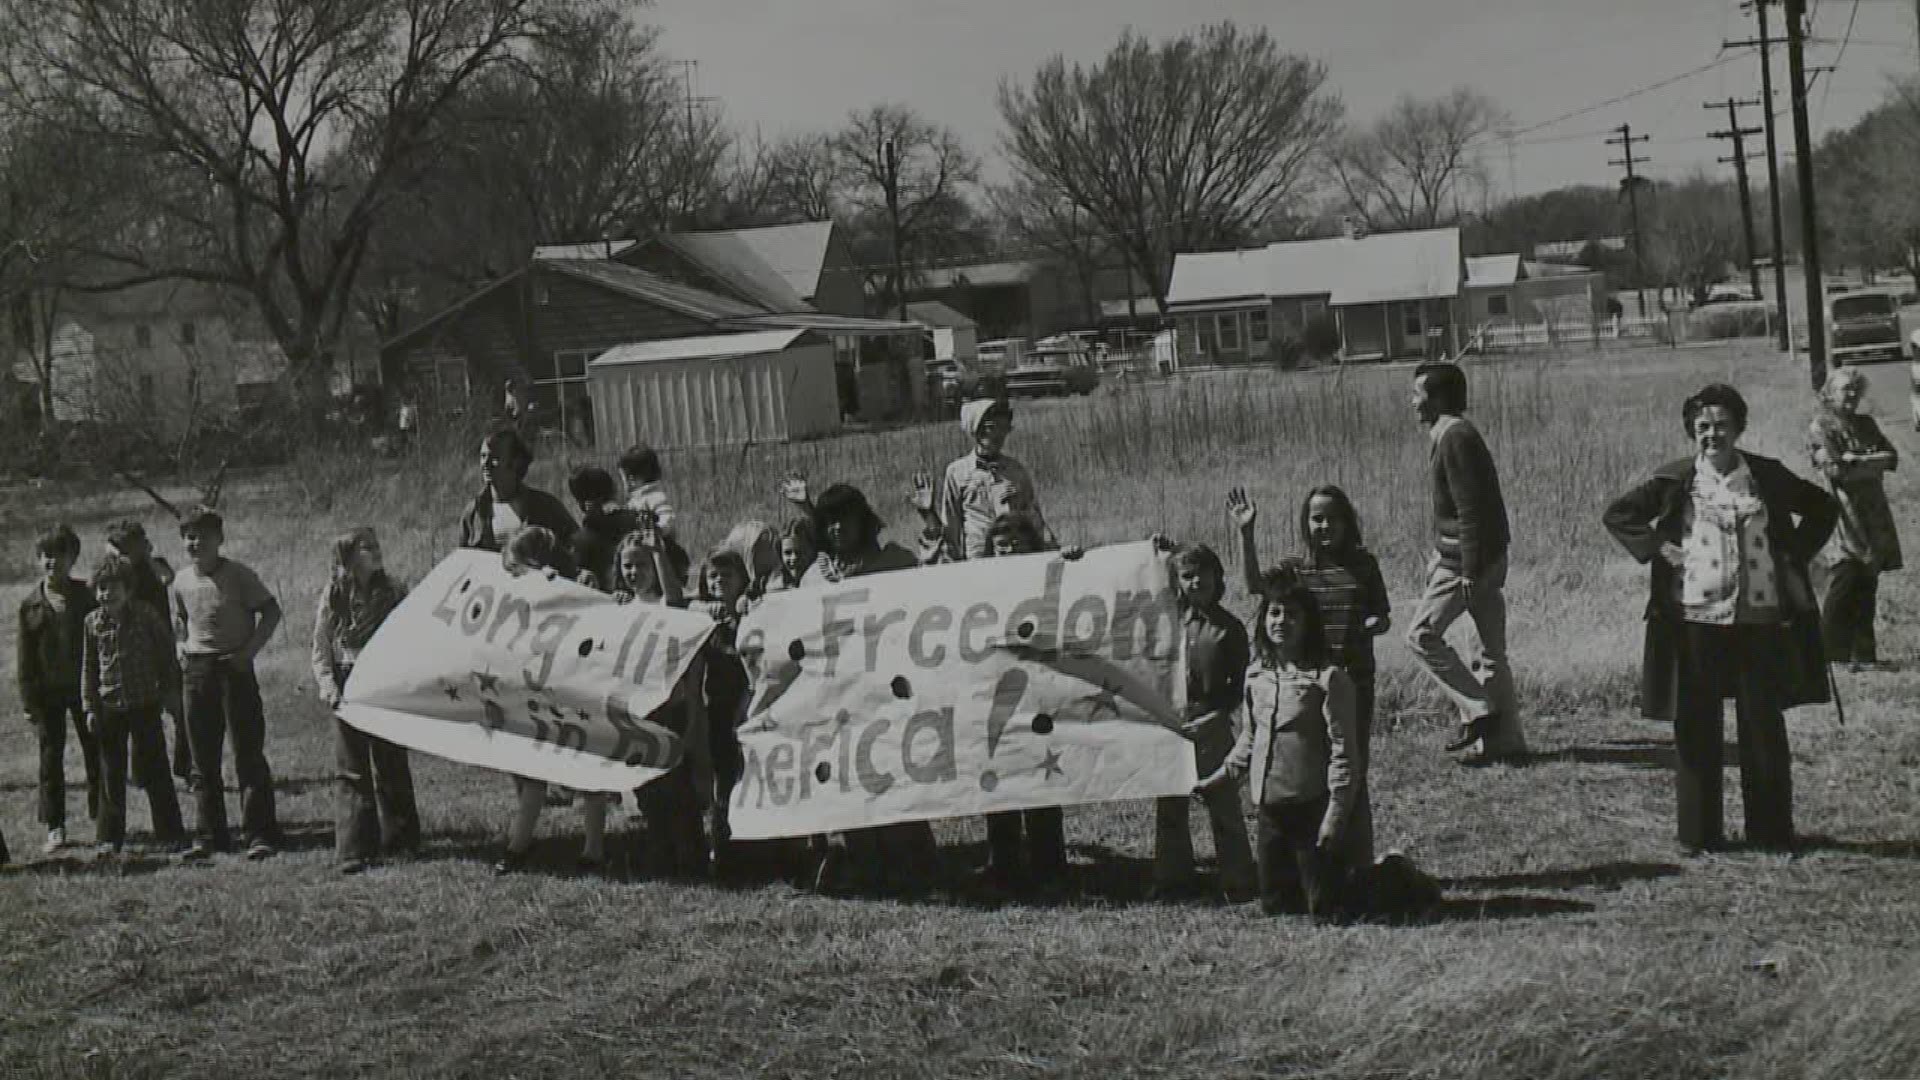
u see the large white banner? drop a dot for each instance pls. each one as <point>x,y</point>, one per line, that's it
<point>961,689</point>
<point>540,678</point>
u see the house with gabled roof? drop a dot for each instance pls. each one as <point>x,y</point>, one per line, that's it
<point>546,322</point>
<point>1390,295</point>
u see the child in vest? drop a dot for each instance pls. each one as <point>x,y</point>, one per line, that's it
<point>224,616</point>
<point>1218,656</point>
<point>531,550</point>
<point>50,646</point>
<point>375,812</point>
<point>1296,726</point>
<point>129,673</point>
<point>985,484</point>
<point>1352,598</point>
<point>152,578</point>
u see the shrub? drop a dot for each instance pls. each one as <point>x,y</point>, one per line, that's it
<point>1721,322</point>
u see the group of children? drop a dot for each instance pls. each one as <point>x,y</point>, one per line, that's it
<point>107,657</point>
<point>1286,708</point>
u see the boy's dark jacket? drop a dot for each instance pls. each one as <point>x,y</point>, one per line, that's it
<point>38,659</point>
<point>1651,514</point>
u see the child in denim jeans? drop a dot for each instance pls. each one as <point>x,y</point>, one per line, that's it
<point>1296,725</point>
<point>50,646</point>
<point>223,616</point>
<point>128,675</point>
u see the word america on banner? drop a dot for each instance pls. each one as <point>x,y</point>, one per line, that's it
<point>533,676</point>
<point>963,689</point>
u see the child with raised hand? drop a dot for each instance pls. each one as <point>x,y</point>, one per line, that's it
<point>1218,656</point>
<point>1345,580</point>
<point>670,804</point>
<point>375,812</point>
<point>530,551</point>
<point>724,581</point>
<point>224,616</point>
<point>1296,725</point>
<point>48,666</point>
<point>152,578</point>
<point>647,489</point>
<point>130,672</point>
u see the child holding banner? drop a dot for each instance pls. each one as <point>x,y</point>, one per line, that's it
<point>532,550</point>
<point>723,581</point>
<point>1218,656</point>
<point>1297,725</point>
<point>374,811</point>
<point>1354,609</point>
<point>671,804</point>
<point>902,855</point>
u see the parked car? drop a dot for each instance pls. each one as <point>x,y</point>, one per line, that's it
<point>1863,324</point>
<point>1056,366</point>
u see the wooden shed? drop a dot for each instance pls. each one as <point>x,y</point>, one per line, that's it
<point>716,390</point>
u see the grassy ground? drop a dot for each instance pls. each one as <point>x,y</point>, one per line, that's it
<point>1575,941</point>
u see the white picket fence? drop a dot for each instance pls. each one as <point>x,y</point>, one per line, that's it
<point>1499,337</point>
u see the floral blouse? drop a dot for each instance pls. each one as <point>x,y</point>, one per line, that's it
<point>1729,574</point>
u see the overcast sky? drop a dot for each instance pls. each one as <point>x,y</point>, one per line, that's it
<point>786,66</point>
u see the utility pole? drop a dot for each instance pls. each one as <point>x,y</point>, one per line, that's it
<point>1739,159</point>
<point>1626,142</point>
<point>890,156</point>
<point>1809,215</point>
<point>1766,42</point>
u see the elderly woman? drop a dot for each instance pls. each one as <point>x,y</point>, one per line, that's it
<point>1729,535</point>
<point>899,856</point>
<point>1848,449</point>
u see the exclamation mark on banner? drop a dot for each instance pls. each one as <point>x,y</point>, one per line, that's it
<point>1007,694</point>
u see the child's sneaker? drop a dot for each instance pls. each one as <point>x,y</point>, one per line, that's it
<point>198,851</point>
<point>258,850</point>
<point>56,839</point>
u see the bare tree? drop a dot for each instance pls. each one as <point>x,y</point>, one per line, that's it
<point>273,134</point>
<point>1694,236</point>
<point>807,178</point>
<point>1408,170</point>
<point>907,180</point>
<point>1036,216</point>
<point>1187,145</point>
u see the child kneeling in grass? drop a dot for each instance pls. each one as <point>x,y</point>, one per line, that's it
<point>1296,725</point>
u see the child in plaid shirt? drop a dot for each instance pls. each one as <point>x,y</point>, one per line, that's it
<point>128,674</point>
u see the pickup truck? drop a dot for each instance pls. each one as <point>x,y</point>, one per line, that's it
<point>1863,325</point>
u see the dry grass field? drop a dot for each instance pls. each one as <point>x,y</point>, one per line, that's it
<point>1574,942</point>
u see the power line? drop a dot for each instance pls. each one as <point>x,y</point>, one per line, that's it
<point>1827,93</point>
<point>1615,100</point>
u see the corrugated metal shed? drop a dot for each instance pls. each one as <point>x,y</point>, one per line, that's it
<point>716,390</point>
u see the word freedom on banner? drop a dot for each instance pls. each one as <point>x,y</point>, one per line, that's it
<point>963,689</point>
<point>540,678</point>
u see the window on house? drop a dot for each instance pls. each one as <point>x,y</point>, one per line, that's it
<point>1257,330</point>
<point>1497,305</point>
<point>143,336</point>
<point>561,389</point>
<point>1229,331</point>
<point>187,333</point>
<point>1209,340</point>
<point>1311,310</point>
<point>1410,322</point>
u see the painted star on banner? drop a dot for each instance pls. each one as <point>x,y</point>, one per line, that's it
<point>489,682</point>
<point>1108,698</point>
<point>1050,765</point>
<point>452,691</point>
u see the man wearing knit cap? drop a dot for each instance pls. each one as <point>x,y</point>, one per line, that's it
<point>985,484</point>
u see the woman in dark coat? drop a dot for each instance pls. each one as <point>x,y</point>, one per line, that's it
<point>1729,535</point>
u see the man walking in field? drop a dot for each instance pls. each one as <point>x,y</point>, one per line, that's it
<point>1467,570</point>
